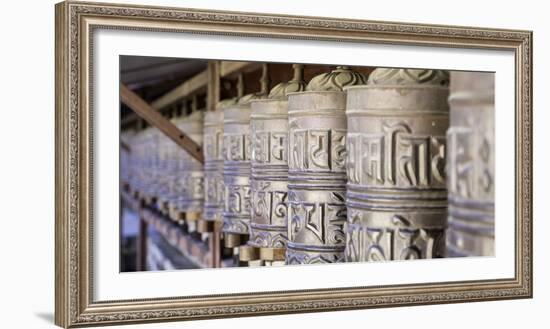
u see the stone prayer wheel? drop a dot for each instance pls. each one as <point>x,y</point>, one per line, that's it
<point>471,163</point>
<point>142,168</point>
<point>127,137</point>
<point>175,158</point>
<point>236,169</point>
<point>151,160</point>
<point>213,162</point>
<point>138,162</point>
<point>159,183</point>
<point>133,160</point>
<point>317,173</point>
<point>396,192</point>
<point>164,167</point>
<point>269,167</point>
<point>191,171</point>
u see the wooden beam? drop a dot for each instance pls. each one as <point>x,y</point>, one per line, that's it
<point>125,147</point>
<point>213,90</point>
<point>229,68</point>
<point>199,82</point>
<point>141,250</point>
<point>128,119</point>
<point>145,111</point>
<point>187,88</point>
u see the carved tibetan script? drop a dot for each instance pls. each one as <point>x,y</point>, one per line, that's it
<point>321,149</point>
<point>396,157</point>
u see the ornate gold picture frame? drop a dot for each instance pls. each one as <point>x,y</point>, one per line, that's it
<point>76,23</point>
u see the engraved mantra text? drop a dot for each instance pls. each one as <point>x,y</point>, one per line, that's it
<point>324,220</point>
<point>396,156</point>
<point>270,205</point>
<point>270,147</point>
<point>236,147</point>
<point>318,149</point>
<point>470,166</point>
<point>376,244</point>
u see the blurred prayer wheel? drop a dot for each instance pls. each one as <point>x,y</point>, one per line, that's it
<point>176,159</point>
<point>134,161</point>
<point>471,163</point>
<point>191,174</point>
<point>158,182</point>
<point>150,170</point>
<point>167,151</point>
<point>126,139</point>
<point>138,166</point>
<point>396,191</point>
<point>317,175</point>
<point>213,162</point>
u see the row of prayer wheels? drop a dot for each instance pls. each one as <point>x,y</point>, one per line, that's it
<point>397,165</point>
<point>162,173</point>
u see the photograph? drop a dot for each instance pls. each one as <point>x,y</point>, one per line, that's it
<point>303,164</point>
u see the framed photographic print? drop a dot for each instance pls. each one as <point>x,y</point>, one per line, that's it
<point>217,164</point>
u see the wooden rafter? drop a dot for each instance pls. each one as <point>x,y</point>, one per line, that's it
<point>185,89</point>
<point>153,117</point>
<point>230,68</point>
<point>125,147</point>
<point>200,82</point>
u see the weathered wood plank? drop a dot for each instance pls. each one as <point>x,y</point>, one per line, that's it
<point>213,90</point>
<point>187,88</point>
<point>228,68</point>
<point>145,111</point>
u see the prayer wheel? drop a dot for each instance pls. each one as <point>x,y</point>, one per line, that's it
<point>236,169</point>
<point>165,172</point>
<point>175,159</point>
<point>127,138</point>
<point>137,160</point>
<point>317,174</point>
<point>150,171</point>
<point>158,149</point>
<point>396,191</point>
<point>136,145</point>
<point>213,162</point>
<point>269,169</point>
<point>141,163</point>
<point>191,172</point>
<point>471,165</point>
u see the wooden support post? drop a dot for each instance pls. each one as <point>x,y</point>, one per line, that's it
<point>145,111</point>
<point>213,88</point>
<point>215,245</point>
<point>212,99</point>
<point>141,250</point>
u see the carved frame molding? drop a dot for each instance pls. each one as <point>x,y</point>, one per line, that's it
<point>75,25</point>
